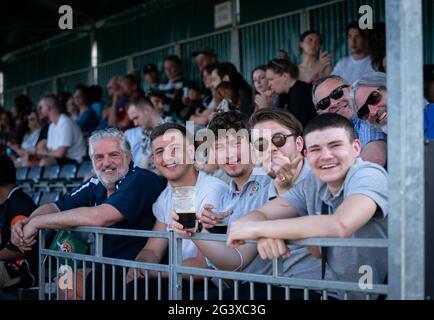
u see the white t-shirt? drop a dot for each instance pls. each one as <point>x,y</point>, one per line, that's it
<point>209,190</point>
<point>66,133</point>
<point>30,140</point>
<point>351,70</point>
<point>134,137</point>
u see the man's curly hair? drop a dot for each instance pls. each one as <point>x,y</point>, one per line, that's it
<point>227,120</point>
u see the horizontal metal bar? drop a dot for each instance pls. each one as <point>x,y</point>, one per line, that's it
<point>49,79</point>
<point>288,14</point>
<point>123,232</point>
<point>105,260</point>
<point>284,281</point>
<point>324,242</point>
<point>339,242</point>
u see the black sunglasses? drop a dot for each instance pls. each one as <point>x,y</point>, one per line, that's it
<point>373,98</point>
<point>336,94</point>
<point>278,139</point>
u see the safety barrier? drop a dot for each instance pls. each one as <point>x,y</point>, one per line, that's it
<point>174,271</point>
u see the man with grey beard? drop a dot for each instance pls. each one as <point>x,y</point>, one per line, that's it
<point>121,196</point>
<point>369,95</point>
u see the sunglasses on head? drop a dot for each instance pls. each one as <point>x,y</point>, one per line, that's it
<point>336,94</point>
<point>373,98</point>
<point>278,140</point>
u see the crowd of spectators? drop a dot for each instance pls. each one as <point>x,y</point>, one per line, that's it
<point>322,166</point>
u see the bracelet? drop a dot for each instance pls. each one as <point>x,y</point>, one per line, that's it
<point>242,260</point>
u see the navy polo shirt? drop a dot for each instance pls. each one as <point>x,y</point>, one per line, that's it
<point>133,198</point>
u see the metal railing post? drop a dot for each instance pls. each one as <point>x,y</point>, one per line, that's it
<point>405,149</point>
<point>172,282</point>
<point>42,266</point>
<point>176,244</point>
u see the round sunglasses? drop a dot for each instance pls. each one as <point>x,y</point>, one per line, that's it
<point>278,140</point>
<point>336,94</point>
<point>373,98</point>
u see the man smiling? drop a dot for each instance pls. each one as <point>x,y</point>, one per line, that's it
<point>343,196</point>
<point>105,201</point>
<point>369,96</point>
<point>331,94</point>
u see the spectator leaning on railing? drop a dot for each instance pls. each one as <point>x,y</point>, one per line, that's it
<point>121,196</point>
<point>173,154</point>
<point>250,189</point>
<point>343,196</point>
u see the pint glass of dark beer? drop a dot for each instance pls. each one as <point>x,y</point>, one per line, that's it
<point>184,200</point>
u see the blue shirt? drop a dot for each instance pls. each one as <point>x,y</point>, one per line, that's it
<point>88,121</point>
<point>366,132</point>
<point>133,198</point>
<point>428,121</point>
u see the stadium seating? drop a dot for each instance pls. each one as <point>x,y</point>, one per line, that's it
<point>47,184</point>
<point>21,174</point>
<point>49,196</point>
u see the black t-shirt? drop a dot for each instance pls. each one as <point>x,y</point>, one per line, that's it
<point>298,101</point>
<point>44,133</point>
<point>18,204</point>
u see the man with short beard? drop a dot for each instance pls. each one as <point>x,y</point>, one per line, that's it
<point>369,95</point>
<point>173,152</point>
<point>121,196</point>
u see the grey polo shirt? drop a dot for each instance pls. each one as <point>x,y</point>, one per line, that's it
<point>254,195</point>
<point>363,178</point>
<point>305,170</point>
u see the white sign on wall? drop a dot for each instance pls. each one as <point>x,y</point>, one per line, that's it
<point>222,14</point>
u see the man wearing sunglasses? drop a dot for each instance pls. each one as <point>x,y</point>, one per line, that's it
<point>249,190</point>
<point>331,94</point>
<point>343,196</point>
<point>369,95</point>
<point>278,143</point>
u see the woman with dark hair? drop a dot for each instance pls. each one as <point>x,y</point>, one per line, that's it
<point>227,97</point>
<point>28,146</point>
<point>262,96</point>
<point>226,71</point>
<point>88,119</point>
<point>377,46</point>
<point>294,95</point>
<point>315,63</point>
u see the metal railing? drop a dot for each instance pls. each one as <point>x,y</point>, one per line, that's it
<point>175,271</point>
